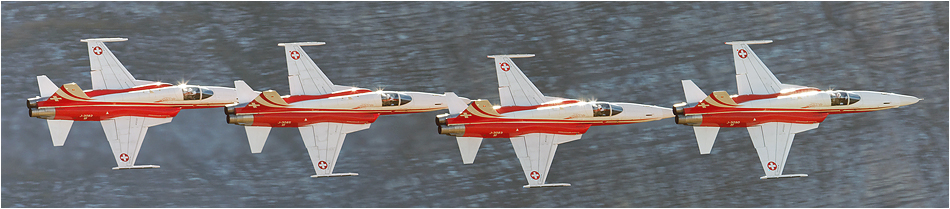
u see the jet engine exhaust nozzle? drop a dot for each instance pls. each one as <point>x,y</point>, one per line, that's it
<point>689,120</point>
<point>443,119</point>
<point>244,120</point>
<point>452,130</point>
<point>44,113</point>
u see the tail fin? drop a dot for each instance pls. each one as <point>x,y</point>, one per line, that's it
<point>705,137</point>
<point>245,93</point>
<point>47,88</point>
<point>456,104</point>
<point>719,99</point>
<point>69,92</point>
<point>256,136</point>
<point>268,98</point>
<point>59,129</point>
<point>468,146</point>
<point>107,72</point>
<point>480,109</point>
<point>693,93</point>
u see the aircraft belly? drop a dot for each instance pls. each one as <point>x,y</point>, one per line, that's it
<point>508,130</point>
<point>753,119</point>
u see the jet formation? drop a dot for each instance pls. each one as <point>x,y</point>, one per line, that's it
<point>535,124</point>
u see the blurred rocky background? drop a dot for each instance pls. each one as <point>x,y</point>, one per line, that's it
<point>610,51</point>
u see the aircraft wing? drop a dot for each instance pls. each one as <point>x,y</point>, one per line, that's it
<point>304,75</point>
<point>752,76</point>
<point>107,72</point>
<point>536,152</point>
<point>323,142</point>
<point>773,141</point>
<point>514,88</point>
<point>125,135</point>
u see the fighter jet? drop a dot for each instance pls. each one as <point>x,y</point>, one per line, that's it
<point>324,113</point>
<point>772,112</point>
<point>126,107</point>
<point>535,124</point>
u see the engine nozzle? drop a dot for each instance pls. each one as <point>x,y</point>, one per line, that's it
<point>230,110</point>
<point>44,113</point>
<point>443,119</point>
<point>689,120</point>
<point>458,130</point>
<point>244,120</point>
<point>680,108</point>
<point>33,102</point>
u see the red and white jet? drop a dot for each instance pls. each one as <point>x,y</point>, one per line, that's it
<point>535,123</point>
<point>772,112</point>
<point>126,107</point>
<point>324,113</point>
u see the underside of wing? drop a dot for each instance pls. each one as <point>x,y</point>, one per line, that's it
<point>514,88</point>
<point>324,141</point>
<point>304,75</point>
<point>536,152</point>
<point>752,76</point>
<point>772,142</point>
<point>125,135</point>
<point>107,72</point>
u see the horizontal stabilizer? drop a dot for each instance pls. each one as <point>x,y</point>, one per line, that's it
<point>245,93</point>
<point>59,129</point>
<point>47,88</point>
<point>468,146</point>
<point>693,93</point>
<point>456,104</point>
<point>705,137</point>
<point>256,136</point>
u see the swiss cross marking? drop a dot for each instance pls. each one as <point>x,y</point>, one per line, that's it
<point>322,165</point>
<point>772,165</point>
<point>55,98</point>
<point>253,105</point>
<point>703,105</point>
<point>505,67</point>
<point>97,50</point>
<point>295,55</point>
<point>466,115</point>
<point>742,53</point>
<point>535,175</point>
<point>124,157</point>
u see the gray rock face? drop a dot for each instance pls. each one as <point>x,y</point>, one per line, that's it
<point>612,51</point>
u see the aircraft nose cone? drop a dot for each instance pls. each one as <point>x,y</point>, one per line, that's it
<point>666,113</point>
<point>908,100</point>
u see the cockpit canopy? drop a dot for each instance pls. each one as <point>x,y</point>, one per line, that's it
<point>844,98</point>
<point>394,99</point>
<point>602,109</point>
<point>195,93</point>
